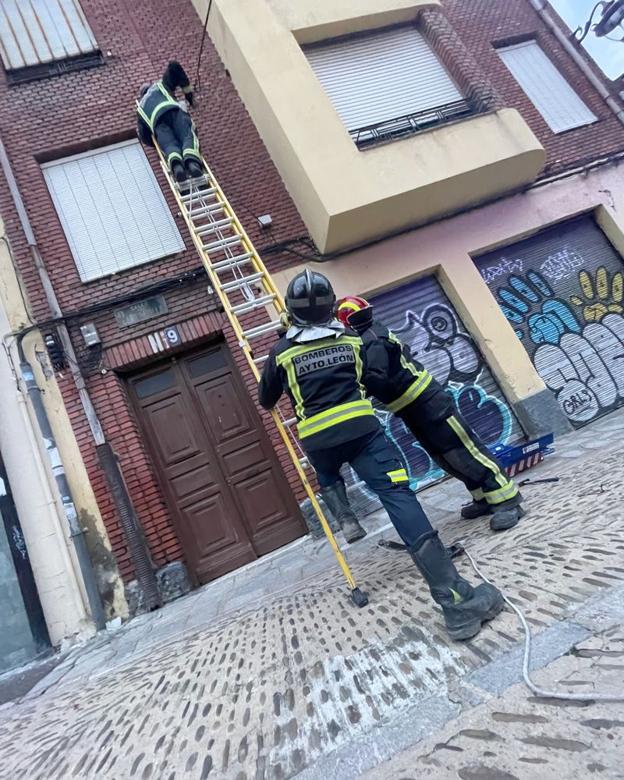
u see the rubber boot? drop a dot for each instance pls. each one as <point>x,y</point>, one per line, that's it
<point>475,509</point>
<point>465,607</point>
<point>335,496</point>
<point>506,515</point>
<point>179,174</point>
<point>193,168</point>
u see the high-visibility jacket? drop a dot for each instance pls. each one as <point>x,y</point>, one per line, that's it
<point>324,380</point>
<point>396,379</point>
<point>160,98</point>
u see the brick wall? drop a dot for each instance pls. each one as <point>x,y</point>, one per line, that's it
<point>57,116</point>
<point>480,24</point>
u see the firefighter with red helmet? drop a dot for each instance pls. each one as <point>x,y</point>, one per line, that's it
<point>322,367</point>
<point>408,390</point>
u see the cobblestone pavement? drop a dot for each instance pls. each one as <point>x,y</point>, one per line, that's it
<point>294,680</point>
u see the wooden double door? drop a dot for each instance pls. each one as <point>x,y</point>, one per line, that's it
<point>224,487</point>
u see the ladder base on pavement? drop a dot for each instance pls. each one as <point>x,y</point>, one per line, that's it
<point>251,302</point>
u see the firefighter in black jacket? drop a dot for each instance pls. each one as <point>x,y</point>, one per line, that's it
<point>322,368</point>
<point>408,390</point>
<point>160,115</point>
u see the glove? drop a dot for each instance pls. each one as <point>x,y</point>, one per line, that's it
<point>189,98</point>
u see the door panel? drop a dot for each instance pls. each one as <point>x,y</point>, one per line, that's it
<point>226,493</point>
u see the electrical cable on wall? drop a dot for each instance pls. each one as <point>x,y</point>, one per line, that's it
<point>201,49</point>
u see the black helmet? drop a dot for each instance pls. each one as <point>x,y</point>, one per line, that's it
<point>310,299</point>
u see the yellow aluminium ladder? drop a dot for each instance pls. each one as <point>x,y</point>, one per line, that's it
<point>251,302</point>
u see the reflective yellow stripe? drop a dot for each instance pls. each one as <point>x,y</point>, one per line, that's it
<point>169,101</point>
<point>173,156</point>
<point>507,488</point>
<point>398,475</point>
<point>194,152</point>
<point>334,416</point>
<point>412,393</point>
<point>295,389</point>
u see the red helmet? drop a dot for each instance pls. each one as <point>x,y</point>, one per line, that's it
<point>346,306</point>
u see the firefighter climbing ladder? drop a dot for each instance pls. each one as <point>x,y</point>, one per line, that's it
<point>251,303</point>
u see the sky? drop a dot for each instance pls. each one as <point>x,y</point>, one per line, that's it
<point>608,54</point>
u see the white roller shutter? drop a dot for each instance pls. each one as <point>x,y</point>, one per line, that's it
<point>33,32</point>
<point>382,76</point>
<point>112,210</point>
<point>549,92</point>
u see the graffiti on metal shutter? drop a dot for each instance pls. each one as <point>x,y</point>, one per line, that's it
<point>563,292</point>
<point>422,317</point>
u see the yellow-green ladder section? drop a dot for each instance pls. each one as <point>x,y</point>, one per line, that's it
<point>249,298</point>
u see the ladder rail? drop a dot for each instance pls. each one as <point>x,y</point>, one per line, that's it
<point>245,246</point>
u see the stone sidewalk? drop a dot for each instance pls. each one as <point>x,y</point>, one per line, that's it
<point>273,673</point>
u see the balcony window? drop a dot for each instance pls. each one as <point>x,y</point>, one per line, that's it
<point>387,84</point>
<point>546,88</point>
<point>41,38</point>
<point>112,210</point>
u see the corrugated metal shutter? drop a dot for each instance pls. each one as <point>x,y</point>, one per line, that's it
<point>550,93</point>
<point>112,210</point>
<point>381,76</point>
<point>423,317</point>
<point>33,32</point>
<point>563,291</point>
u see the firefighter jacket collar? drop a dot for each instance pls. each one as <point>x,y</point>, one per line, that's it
<point>302,335</point>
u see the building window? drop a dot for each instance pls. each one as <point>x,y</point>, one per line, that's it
<point>546,88</point>
<point>112,210</point>
<point>44,38</point>
<point>386,84</point>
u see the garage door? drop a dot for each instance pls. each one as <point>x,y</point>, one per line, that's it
<point>563,290</point>
<point>422,316</point>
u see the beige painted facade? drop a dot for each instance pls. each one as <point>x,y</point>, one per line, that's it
<point>55,567</point>
<point>447,247</point>
<point>346,196</point>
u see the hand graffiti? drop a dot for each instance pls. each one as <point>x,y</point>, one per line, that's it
<point>436,341</point>
<point>487,416</point>
<point>601,295</point>
<point>586,371</point>
<point>553,318</point>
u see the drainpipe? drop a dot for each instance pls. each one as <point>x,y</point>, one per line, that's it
<point>76,532</point>
<point>108,461</point>
<point>541,6</point>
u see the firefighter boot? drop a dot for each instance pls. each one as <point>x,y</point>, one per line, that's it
<point>465,607</point>
<point>335,496</point>
<point>179,174</point>
<point>476,508</point>
<point>193,168</point>
<point>507,514</point>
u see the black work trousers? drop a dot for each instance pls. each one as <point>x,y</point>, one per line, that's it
<point>378,463</point>
<point>176,137</point>
<point>457,449</point>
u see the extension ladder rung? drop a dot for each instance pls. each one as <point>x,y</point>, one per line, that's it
<point>199,201</point>
<point>290,421</point>
<point>222,243</point>
<point>203,211</point>
<point>232,262</point>
<point>262,330</point>
<point>214,227</point>
<point>243,281</point>
<point>196,194</point>
<point>257,303</point>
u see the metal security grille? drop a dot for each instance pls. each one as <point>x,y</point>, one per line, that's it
<point>563,292</point>
<point>386,83</point>
<point>422,316</point>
